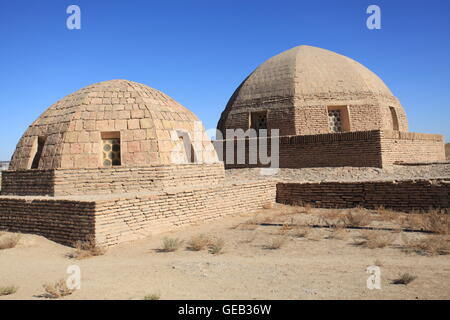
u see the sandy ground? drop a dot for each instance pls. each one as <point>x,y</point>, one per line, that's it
<point>315,267</point>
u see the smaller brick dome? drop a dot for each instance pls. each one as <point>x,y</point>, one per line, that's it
<point>110,123</point>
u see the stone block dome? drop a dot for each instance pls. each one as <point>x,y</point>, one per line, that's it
<point>309,90</point>
<point>113,123</point>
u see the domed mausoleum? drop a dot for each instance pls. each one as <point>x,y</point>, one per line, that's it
<point>118,161</point>
<point>329,110</point>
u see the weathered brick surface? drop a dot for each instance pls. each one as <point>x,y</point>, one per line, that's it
<point>108,180</point>
<point>113,219</point>
<point>357,149</point>
<point>406,195</point>
<point>63,221</point>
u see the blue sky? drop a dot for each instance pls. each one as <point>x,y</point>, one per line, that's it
<point>199,51</point>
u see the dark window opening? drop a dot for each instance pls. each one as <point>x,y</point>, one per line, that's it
<point>258,121</point>
<point>38,154</point>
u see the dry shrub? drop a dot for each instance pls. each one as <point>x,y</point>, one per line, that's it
<point>171,244</point>
<point>317,235</point>
<point>431,246</point>
<point>6,291</point>
<point>86,249</point>
<point>198,242</point>
<point>307,208</point>
<point>386,214</point>
<point>356,219</point>
<point>299,232</point>
<point>435,221</point>
<point>404,278</point>
<point>275,243</point>
<point>57,290</point>
<point>152,296</point>
<point>216,246</point>
<point>374,239</point>
<point>9,241</point>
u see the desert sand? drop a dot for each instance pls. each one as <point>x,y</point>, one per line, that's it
<point>324,264</point>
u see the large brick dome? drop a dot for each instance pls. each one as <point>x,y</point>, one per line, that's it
<point>115,122</point>
<point>309,90</point>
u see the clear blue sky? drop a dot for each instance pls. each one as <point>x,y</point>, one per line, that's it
<point>198,51</point>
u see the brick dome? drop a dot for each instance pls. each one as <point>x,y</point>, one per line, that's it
<point>298,90</point>
<point>110,123</point>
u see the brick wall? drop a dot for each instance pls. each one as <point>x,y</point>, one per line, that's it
<point>129,219</point>
<point>117,218</point>
<point>108,180</point>
<point>356,149</point>
<point>63,221</point>
<point>406,195</point>
<point>397,146</point>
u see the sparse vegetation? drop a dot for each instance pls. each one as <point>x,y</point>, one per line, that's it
<point>338,233</point>
<point>171,244</point>
<point>198,242</point>
<point>404,278</point>
<point>152,296</point>
<point>216,246</point>
<point>374,239</point>
<point>8,290</point>
<point>57,290</point>
<point>431,245</point>
<point>356,219</point>
<point>86,249</point>
<point>9,241</point>
<point>275,243</point>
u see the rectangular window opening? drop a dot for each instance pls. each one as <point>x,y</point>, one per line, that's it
<point>258,121</point>
<point>338,119</point>
<point>111,149</point>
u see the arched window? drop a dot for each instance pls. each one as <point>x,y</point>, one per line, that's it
<point>394,118</point>
<point>37,150</point>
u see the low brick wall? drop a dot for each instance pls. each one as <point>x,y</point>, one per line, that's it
<point>57,182</point>
<point>113,219</point>
<point>356,149</point>
<point>63,221</point>
<point>134,218</point>
<point>406,147</point>
<point>404,195</point>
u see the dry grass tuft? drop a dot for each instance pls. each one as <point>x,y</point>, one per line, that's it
<point>374,239</point>
<point>435,221</point>
<point>404,278</point>
<point>152,296</point>
<point>356,219</point>
<point>6,291</point>
<point>430,246</point>
<point>275,243</point>
<point>285,228</point>
<point>9,241</point>
<point>86,249</point>
<point>57,290</point>
<point>216,246</point>
<point>171,244</point>
<point>199,242</point>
